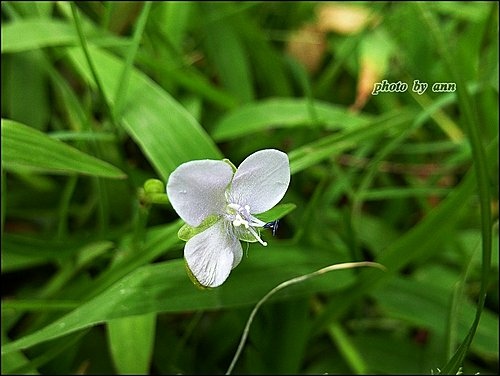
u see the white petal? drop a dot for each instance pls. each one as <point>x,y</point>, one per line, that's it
<point>212,254</point>
<point>238,254</point>
<point>196,189</point>
<point>261,180</point>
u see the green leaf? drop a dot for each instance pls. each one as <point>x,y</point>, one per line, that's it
<point>421,303</point>
<point>157,241</point>
<point>376,49</point>
<point>28,99</point>
<point>131,341</point>
<point>25,35</point>
<point>277,212</point>
<point>33,34</point>
<point>26,148</point>
<point>166,132</point>
<point>165,287</point>
<point>327,147</point>
<point>15,360</point>
<point>283,113</point>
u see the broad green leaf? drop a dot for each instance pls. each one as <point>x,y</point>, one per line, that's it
<point>157,240</point>
<point>24,148</point>
<point>426,304</point>
<point>166,132</point>
<point>14,360</point>
<point>131,341</point>
<point>385,353</point>
<point>165,287</point>
<point>284,113</point>
<point>33,34</point>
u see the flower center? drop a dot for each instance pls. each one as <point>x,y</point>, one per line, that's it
<point>240,216</point>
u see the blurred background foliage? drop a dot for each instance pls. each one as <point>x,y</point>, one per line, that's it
<point>98,97</point>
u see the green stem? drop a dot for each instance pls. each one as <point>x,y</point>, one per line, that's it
<point>121,91</point>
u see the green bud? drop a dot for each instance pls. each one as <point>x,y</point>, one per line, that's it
<point>154,186</point>
<point>158,198</point>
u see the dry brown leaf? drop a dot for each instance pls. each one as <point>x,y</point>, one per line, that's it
<point>343,19</point>
<point>308,46</point>
<point>368,75</point>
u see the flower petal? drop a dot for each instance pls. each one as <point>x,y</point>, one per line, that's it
<point>261,180</point>
<point>196,189</point>
<point>212,254</point>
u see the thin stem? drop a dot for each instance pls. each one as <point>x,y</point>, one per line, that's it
<point>281,286</point>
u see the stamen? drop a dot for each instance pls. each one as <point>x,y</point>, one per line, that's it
<point>242,216</point>
<point>256,236</point>
<point>256,222</point>
<point>240,221</point>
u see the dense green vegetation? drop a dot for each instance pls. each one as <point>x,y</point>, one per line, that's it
<point>100,97</point>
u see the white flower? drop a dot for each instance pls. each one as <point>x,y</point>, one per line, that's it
<point>204,188</point>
